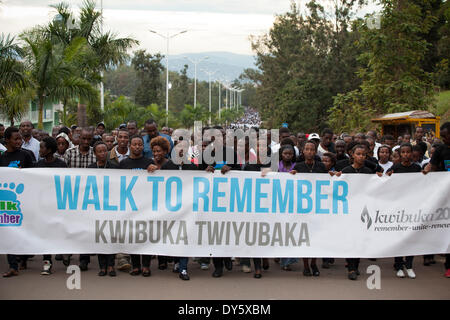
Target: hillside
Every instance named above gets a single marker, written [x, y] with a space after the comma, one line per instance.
[228, 66]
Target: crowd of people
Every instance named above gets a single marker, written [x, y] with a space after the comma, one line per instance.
[130, 147]
[250, 119]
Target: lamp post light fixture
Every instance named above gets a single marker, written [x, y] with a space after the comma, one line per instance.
[195, 62]
[210, 74]
[167, 37]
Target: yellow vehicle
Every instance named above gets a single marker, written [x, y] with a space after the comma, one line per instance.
[397, 124]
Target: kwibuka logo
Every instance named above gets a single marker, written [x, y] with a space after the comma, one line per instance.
[365, 217]
[10, 212]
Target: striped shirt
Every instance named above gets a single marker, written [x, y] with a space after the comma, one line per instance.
[75, 159]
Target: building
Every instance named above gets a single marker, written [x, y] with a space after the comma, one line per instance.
[397, 124]
[50, 115]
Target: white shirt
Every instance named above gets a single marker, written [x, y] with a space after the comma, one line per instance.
[321, 151]
[122, 156]
[386, 166]
[2, 148]
[33, 146]
[424, 162]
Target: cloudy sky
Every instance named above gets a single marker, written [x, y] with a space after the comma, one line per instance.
[212, 25]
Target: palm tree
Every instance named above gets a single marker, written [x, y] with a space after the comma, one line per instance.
[52, 68]
[106, 49]
[14, 103]
[190, 114]
[15, 87]
[12, 71]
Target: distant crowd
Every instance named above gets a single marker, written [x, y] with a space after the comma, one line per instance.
[250, 119]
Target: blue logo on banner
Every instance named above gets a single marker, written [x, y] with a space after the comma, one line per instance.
[10, 212]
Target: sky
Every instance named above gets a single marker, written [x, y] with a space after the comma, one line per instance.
[212, 25]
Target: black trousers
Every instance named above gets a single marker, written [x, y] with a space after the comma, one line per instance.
[85, 257]
[447, 261]
[47, 257]
[13, 260]
[400, 263]
[353, 264]
[219, 262]
[162, 260]
[106, 260]
[136, 260]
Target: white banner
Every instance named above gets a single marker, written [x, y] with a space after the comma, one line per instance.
[240, 214]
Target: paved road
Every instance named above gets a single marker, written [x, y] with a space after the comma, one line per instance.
[275, 283]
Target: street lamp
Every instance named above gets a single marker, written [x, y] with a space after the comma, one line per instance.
[227, 96]
[232, 98]
[220, 96]
[102, 97]
[168, 37]
[239, 97]
[209, 73]
[195, 62]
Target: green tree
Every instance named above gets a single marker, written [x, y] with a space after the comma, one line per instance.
[350, 113]
[190, 114]
[121, 81]
[12, 71]
[105, 49]
[15, 87]
[52, 71]
[179, 95]
[149, 69]
[394, 79]
[303, 62]
[118, 112]
[14, 103]
[443, 46]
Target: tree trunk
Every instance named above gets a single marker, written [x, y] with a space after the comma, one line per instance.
[41, 109]
[64, 116]
[81, 115]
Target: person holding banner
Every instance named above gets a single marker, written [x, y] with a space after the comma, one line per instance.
[81, 156]
[121, 151]
[116, 155]
[160, 147]
[358, 157]
[15, 157]
[329, 160]
[341, 164]
[258, 167]
[287, 164]
[384, 153]
[105, 261]
[224, 166]
[406, 165]
[47, 151]
[137, 161]
[310, 166]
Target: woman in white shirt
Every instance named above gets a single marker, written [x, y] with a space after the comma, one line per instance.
[384, 153]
